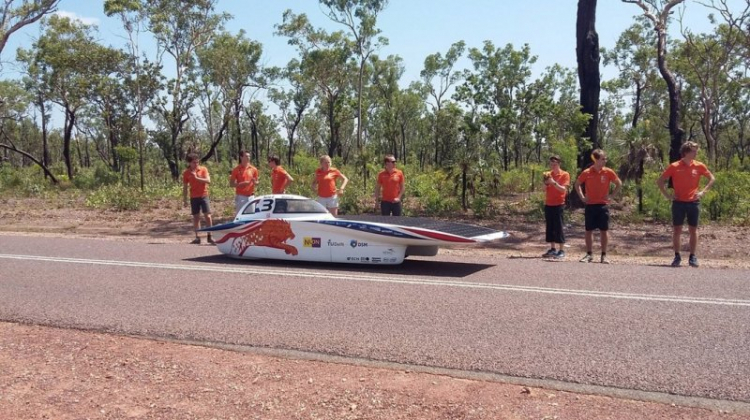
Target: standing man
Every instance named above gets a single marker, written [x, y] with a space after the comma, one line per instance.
[597, 179]
[325, 184]
[686, 174]
[391, 180]
[557, 182]
[244, 177]
[197, 178]
[279, 177]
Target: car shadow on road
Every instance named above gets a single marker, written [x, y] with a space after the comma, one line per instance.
[407, 268]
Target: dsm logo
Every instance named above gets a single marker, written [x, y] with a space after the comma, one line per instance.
[309, 242]
[355, 244]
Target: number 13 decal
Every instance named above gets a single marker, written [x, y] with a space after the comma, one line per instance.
[264, 205]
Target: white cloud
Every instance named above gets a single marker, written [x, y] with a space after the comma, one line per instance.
[82, 19]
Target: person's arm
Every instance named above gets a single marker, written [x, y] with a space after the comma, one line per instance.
[232, 180]
[184, 194]
[343, 184]
[711, 180]
[400, 189]
[579, 191]
[204, 179]
[376, 194]
[661, 182]
[618, 186]
[559, 187]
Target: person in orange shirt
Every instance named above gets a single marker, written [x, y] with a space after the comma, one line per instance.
[196, 177]
[597, 179]
[279, 177]
[391, 181]
[686, 174]
[557, 182]
[325, 184]
[244, 177]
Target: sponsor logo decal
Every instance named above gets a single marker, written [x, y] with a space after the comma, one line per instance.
[355, 244]
[309, 242]
[334, 243]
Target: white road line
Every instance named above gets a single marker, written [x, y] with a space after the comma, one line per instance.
[409, 280]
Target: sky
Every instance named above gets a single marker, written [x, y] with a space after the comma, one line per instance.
[415, 28]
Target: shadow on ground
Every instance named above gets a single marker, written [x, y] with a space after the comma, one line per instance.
[408, 268]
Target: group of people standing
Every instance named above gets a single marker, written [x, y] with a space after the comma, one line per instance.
[593, 187]
[244, 179]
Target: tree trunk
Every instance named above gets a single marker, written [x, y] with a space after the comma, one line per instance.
[45, 140]
[70, 119]
[587, 53]
[676, 133]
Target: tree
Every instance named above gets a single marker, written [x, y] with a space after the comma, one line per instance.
[347, 12]
[180, 27]
[587, 54]
[14, 16]
[325, 59]
[437, 66]
[658, 12]
[72, 62]
[292, 102]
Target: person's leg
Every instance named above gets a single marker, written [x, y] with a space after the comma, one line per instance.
[333, 210]
[396, 209]
[589, 241]
[385, 209]
[549, 226]
[604, 237]
[676, 233]
[693, 231]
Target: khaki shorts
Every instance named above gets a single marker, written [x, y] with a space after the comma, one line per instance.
[329, 202]
[241, 200]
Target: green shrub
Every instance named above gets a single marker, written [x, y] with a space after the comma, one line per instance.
[116, 197]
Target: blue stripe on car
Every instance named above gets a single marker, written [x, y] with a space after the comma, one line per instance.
[364, 227]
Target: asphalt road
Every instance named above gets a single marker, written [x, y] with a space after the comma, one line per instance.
[647, 328]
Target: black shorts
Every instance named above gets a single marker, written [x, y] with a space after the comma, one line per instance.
[597, 217]
[200, 204]
[682, 209]
[388, 208]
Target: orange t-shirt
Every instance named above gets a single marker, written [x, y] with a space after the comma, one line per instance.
[686, 179]
[391, 183]
[197, 189]
[240, 174]
[555, 197]
[597, 184]
[278, 179]
[327, 182]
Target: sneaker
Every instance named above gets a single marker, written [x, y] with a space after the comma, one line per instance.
[586, 258]
[604, 259]
[550, 253]
[560, 255]
[693, 261]
[210, 240]
[196, 241]
[677, 261]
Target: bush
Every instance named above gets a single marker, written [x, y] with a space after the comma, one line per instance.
[116, 197]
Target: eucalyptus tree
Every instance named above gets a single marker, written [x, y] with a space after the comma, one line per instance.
[231, 64]
[410, 110]
[14, 103]
[438, 77]
[587, 55]
[499, 83]
[15, 14]
[180, 28]
[385, 90]
[141, 79]
[658, 12]
[293, 101]
[72, 63]
[325, 58]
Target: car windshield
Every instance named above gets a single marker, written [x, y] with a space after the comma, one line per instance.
[298, 206]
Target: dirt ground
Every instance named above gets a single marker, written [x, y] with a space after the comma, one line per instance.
[51, 373]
